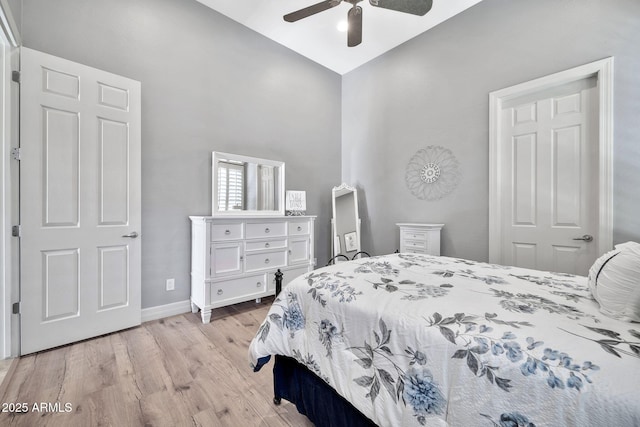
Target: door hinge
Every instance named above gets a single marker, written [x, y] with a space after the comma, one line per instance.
[15, 76]
[15, 154]
[16, 231]
[16, 308]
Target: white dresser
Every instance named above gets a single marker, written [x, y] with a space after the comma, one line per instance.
[235, 259]
[420, 238]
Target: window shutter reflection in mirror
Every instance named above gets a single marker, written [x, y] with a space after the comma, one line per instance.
[230, 186]
[246, 186]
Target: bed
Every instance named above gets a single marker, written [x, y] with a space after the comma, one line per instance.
[417, 340]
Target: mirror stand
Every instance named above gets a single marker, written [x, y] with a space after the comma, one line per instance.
[345, 224]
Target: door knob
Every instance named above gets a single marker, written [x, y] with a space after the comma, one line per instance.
[586, 238]
[132, 235]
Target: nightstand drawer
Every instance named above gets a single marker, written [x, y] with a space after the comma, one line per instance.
[250, 246]
[267, 229]
[265, 260]
[414, 235]
[237, 288]
[226, 232]
[415, 244]
[415, 251]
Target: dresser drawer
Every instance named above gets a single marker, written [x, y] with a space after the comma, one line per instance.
[265, 244]
[297, 228]
[237, 288]
[226, 231]
[265, 260]
[268, 229]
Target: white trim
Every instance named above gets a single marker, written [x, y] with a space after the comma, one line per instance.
[167, 310]
[8, 24]
[9, 290]
[603, 70]
[5, 290]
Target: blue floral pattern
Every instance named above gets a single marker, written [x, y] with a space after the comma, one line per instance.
[414, 387]
[402, 335]
[510, 419]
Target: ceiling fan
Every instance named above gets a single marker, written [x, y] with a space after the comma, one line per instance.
[354, 17]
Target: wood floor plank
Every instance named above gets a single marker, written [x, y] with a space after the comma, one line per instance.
[171, 372]
[147, 360]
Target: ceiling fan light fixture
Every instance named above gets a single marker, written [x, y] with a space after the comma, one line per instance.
[354, 16]
[342, 26]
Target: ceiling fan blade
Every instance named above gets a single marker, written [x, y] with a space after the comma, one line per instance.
[414, 7]
[311, 10]
[354, 34]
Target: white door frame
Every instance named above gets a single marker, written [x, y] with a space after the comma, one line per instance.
[9, 42]
[603, 71]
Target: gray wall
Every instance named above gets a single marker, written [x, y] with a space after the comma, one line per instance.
[433, 90]
[211, 84]
[208, 84]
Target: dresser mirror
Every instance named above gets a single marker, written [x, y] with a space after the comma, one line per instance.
[345, 224]
[246, 186]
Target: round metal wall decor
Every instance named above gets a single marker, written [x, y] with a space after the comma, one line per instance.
[432, 173]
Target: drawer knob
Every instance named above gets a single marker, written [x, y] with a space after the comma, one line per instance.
[258, 285]
[266, 245]
[266, 230]
[289, 251]
[227, 232]
[220, 291]
[242, 258]
[266, 261]
[299, 228]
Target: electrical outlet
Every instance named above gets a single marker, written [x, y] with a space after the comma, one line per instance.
[171, 284]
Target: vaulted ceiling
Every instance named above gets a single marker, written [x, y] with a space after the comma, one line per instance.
[318, 38]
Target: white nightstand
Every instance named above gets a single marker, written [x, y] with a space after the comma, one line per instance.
[420, 238]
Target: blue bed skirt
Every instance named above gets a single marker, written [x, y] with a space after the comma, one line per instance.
[313, 397]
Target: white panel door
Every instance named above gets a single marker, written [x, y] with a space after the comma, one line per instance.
[80, 202]
[550, 200]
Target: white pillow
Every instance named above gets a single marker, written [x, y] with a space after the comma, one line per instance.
[614, 281]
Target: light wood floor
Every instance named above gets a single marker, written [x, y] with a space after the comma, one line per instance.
[170, 372]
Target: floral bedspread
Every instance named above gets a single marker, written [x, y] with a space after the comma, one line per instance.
[415, 340]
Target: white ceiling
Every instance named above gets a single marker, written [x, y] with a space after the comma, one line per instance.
[317, 36]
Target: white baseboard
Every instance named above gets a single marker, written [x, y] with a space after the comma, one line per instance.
[167, 310]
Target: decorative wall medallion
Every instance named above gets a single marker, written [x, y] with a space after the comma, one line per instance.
[432, 173]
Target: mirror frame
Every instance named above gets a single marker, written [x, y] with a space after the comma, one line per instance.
[217, 156]
[335, 239]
